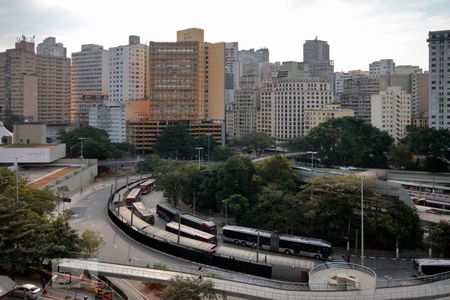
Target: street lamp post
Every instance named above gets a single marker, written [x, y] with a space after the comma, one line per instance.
[17, 177]
[312, 158]
[209, 138]
[194, 202]
[199, 149]
[46, 286]
[81, 151]
[362, 221]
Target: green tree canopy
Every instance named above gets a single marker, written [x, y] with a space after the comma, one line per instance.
[237, 205]
[96, 144]
[278, 170]
[434, 144]
[175, 142]
[441, 238]
[346, 141]
[257, 141]
[90, 242]
[400, 157]
[182, 288]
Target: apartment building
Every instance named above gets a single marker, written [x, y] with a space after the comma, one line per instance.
[315, 116]
[382, 66]
[357, 95]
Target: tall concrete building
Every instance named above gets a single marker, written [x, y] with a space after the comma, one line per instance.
[18, 81]
[246, 105]
[316, 54]
[357, 95]
[111, 118]
[49, 47]
[439, 83]
[90, 75]
[186, 83]
[251, 61]
[340, 77]
[315, 116]
[284, 100]
[127, 71]
[231, 71]
[391, 112]
[382, 66]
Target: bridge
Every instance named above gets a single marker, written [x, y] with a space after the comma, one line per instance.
[437, 287]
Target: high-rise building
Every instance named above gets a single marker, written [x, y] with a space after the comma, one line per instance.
[231, 71]
[246, 105]
[127, 71]
[391, 112]
[53, 73]
[316, 54]
[382, 66]
[357, 94]
[340, 77]
[439, 83]
[111, 118]
[186, 83]
[49, 47]
[251, 61]
[90, 75]
[284, 100]
[315, 116]
[18, 81]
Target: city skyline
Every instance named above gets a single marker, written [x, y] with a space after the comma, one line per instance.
[357, 32]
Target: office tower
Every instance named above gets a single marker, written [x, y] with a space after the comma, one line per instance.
[251, 61]
[382, 66]
[315, 116]
[127, 71]
[357, 93]
[284, 100]
[18, 81]
[439, 83]
[186, 83]
[340, 77]
[109, 116]
[53, 73]
[391, 112]
[90, 76]
[49, 47]
[316, 54]
[231, 71]
[246, 104]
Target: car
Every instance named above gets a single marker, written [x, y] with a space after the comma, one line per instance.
[344, 168]
[26, 291]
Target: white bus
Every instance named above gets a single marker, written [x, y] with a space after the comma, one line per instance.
[190, 232]
[146, 214]
[430, 266]
[288, 244]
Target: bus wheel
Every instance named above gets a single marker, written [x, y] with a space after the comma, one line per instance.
[317, 256]
[287, 252]
[244, 244]
[236, 242]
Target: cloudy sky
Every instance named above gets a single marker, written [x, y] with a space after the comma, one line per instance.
[358, 31]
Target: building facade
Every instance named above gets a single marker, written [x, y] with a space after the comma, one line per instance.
[340, 77]
[109, 116]
[90, 75]
[357, 95]
[439, 79]
[382, 66]
[315, 116]
[316, 54]
[49, 47]
[246, 105]
[231, 71]
[391, 112]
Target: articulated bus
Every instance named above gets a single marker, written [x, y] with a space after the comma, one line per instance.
[190, 232]
[284, 243]
[133, 196]
[430, 266]
[147, 186]
[146, 214]
[171, 214]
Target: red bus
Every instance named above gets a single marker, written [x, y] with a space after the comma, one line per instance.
[133, 196]
[147, 186]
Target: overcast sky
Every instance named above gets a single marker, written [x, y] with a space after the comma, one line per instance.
[358, 31]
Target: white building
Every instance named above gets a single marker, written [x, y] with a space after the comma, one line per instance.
[246, 104]
[231, 71]
[110, 117]
[382, 66]
[49, 47]
[90, 75]
[439, 79]
[127, 71]
[282, 103]
[391, 112]
[316, 116]
[341, 77]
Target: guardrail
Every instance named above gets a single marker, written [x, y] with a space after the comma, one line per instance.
[412, 280]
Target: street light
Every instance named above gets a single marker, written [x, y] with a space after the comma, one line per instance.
[46, 286]
[312, 158]
[362, 221]
[199, 149]
[16, 165]
[209, 137]
[81, 152]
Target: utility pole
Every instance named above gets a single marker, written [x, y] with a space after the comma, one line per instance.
[17, 177]
[362, 221]
[199, 149]
[81, 151]
[179, 228]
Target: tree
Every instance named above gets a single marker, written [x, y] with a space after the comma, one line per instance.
[175, 142]
[237, 205]
[90, 242]
[151, 163]
[208, 144]
[441, 238]
[434, 144]
[400, 157]
[181, 288]
[222, 153]
[346, 141]
[258, 141]
[278, 170]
